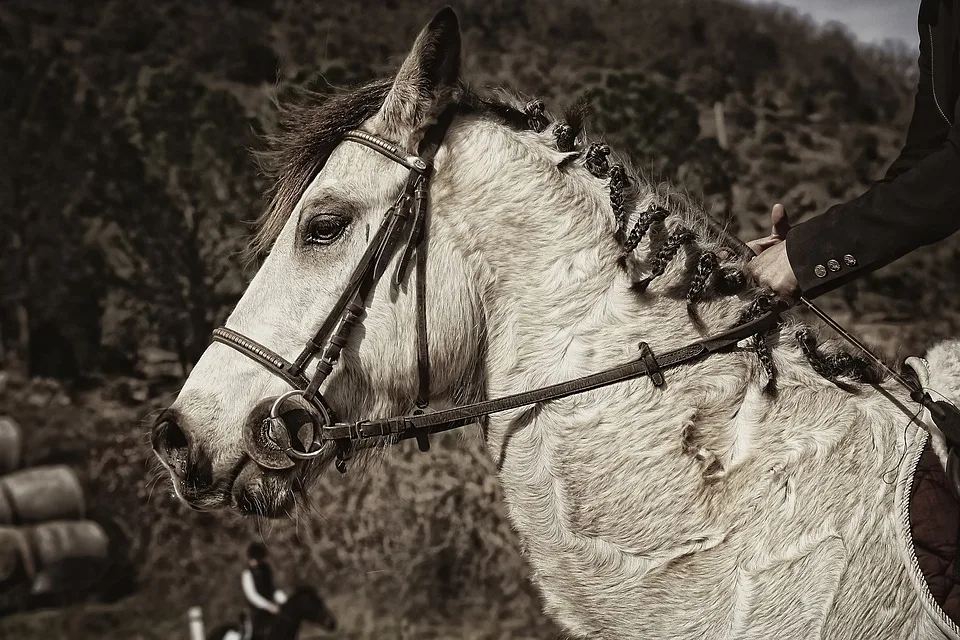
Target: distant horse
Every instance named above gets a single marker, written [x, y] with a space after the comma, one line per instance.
[742, 496]
[304, 604]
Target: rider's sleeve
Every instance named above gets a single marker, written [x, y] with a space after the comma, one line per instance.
[253, 596]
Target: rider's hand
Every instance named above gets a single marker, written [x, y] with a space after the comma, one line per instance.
[275, 609]
[779, 225]
[771, 267]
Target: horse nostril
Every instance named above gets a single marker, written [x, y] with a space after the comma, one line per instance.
[171, 444]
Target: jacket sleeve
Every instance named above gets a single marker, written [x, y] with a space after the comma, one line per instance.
[915, 204]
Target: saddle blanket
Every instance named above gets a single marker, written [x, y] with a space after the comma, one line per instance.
[933, 526]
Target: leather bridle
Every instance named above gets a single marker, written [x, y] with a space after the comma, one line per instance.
[409, 214]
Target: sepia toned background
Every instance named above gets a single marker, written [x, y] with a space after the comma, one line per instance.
[126, 191]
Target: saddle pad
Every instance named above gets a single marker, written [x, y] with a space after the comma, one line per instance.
[934, 524]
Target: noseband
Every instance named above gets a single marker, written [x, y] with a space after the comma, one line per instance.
[409, 214]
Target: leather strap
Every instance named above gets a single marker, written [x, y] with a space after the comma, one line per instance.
[400, 428]
[259, 353]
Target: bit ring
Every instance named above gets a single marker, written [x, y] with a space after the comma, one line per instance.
[320, 410]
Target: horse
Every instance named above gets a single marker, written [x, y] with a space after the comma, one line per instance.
[303, 604]
[742, 494]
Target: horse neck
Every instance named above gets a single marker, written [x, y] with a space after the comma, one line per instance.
[568, 307]
[603, 471]
[287, 625]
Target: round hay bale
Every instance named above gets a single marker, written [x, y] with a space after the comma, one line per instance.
[40, 494]
[11, 445]
[68, 554]
[16, 559]
[6, 509]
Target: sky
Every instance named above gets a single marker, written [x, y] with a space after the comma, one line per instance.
[871, 20]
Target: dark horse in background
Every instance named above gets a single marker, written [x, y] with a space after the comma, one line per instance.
[305, 604]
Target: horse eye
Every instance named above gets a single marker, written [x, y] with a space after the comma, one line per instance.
[325, 229]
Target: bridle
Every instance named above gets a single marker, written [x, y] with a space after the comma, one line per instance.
[409, 214]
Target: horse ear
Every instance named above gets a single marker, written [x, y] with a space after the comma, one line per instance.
[428, 76]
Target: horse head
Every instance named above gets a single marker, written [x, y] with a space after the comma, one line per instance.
[329, 201]
[495, 186]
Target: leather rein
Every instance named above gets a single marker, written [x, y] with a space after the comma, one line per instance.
[409, 215]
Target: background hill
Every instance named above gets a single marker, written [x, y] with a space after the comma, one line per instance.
[126, 185]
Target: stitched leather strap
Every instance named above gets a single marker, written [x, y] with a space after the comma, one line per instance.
[400, 428]
[259, 353]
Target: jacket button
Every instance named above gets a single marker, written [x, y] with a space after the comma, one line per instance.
[833, 265]
[849, 260]
[820, 271]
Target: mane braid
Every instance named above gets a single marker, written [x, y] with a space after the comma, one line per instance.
[670, 248]
[761, 305]
[640, 229]
[596, 159]
[765, 356]
[536, 118]
[617, 198]
[707, 265]
[575, 117]
[566, 137]
[833, 366]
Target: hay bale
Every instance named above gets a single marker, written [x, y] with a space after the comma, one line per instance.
[68, 555]
[11, 445]
[46, 562]
[15, 557]
[40, 494]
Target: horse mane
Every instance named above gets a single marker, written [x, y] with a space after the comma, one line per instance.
[312, 125]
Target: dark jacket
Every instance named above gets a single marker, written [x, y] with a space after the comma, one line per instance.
[918, 200]
[263, 580]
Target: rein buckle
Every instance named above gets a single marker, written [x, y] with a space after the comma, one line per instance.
[653, 367]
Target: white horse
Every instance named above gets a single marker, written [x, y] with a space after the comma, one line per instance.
[716, 506]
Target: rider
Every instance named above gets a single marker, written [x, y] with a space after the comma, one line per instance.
[915, 204]
[258, 587]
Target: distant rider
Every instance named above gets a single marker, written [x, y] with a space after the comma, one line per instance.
[259, 589]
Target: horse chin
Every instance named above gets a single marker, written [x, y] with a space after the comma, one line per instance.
[263, 492]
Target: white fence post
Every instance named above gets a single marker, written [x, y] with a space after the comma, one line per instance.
[721, 124]
[195, 614]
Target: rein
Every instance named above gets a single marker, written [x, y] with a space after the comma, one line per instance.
[409, 214]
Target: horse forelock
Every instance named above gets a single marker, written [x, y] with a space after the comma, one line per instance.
[311, 126]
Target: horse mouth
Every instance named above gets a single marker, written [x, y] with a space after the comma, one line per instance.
[271, 493]
[257, 491]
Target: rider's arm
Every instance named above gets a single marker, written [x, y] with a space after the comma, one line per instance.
[915, 204]
[253, 596]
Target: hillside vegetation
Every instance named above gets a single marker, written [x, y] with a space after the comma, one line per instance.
[126, 185]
